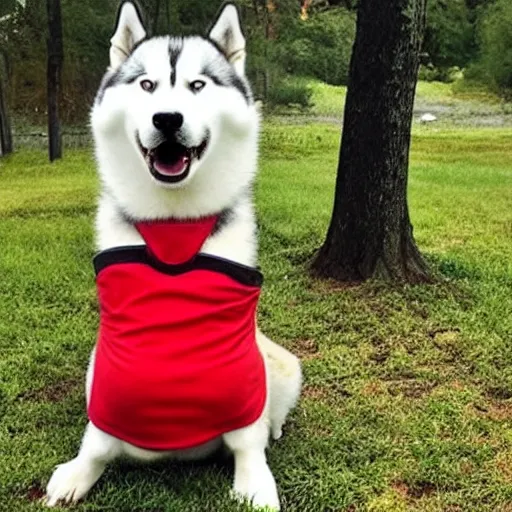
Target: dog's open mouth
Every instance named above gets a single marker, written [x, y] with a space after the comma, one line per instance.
[170, 161]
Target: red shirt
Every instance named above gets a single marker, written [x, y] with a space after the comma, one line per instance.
[176, 362]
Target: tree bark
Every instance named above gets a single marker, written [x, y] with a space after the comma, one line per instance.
[370, 234]
[270, 35]
[55, 59]
[5, 124]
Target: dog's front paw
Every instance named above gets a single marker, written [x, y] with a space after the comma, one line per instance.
[71, 481]
[277, 432]
[258, 488]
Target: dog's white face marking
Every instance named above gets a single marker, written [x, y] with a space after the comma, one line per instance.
[174, 122]
[181, 104]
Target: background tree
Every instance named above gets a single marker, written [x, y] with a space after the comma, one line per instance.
[370, 234]
[496, 45]
[55, 58]
[6, 12]
[449, 33]
[5, 124]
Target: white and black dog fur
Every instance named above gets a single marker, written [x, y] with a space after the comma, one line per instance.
[196, 86]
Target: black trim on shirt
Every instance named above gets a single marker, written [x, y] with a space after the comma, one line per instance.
[249, 276]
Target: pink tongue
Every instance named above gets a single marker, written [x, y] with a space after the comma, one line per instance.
[173, 169]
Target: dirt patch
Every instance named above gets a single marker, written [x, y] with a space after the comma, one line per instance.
[373, 388]
[422, 489]
[499, 393]
[500, 412]
[504, 464]
[306, 349]
[331, 393]
[410, 388]
[35, 492]
[456, 385]
[53, 392]
[401, 488]
[316, 392]
[496, 411]
[414, 492]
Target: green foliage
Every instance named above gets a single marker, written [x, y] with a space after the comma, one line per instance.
[328, 100]
[85, 56]
[439, 74]
[88, 26]
[406, 402]
[320, 46]
[290, 92]
[496, 44]
[470, 33]
[279, 44]
[7, 7]
[449, 37]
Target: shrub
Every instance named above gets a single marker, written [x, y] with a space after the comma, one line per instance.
[449, 37]
[290, 92]
[496, 44]
[433, 74]
[319, 47]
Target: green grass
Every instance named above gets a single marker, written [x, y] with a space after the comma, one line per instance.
[328, 100]
[407, 403]
[448, 93]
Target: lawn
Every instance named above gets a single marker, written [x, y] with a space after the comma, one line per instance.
[407, 402]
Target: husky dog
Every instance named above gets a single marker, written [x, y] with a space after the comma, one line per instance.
[176, 135]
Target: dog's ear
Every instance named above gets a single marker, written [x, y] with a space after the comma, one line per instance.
[129, 31]
[226, 32]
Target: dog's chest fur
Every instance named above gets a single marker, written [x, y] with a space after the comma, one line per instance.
[235, 240]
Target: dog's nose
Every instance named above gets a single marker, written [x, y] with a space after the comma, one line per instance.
[168, 121]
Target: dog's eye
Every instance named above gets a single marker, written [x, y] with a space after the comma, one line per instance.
[148, 85]
[197, 85]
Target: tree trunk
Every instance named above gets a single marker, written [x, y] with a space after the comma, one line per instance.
[5, 124]
[55, 58]
[370, 234]
[269, 36]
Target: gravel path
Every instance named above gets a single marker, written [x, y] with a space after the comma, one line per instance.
[454, 112]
